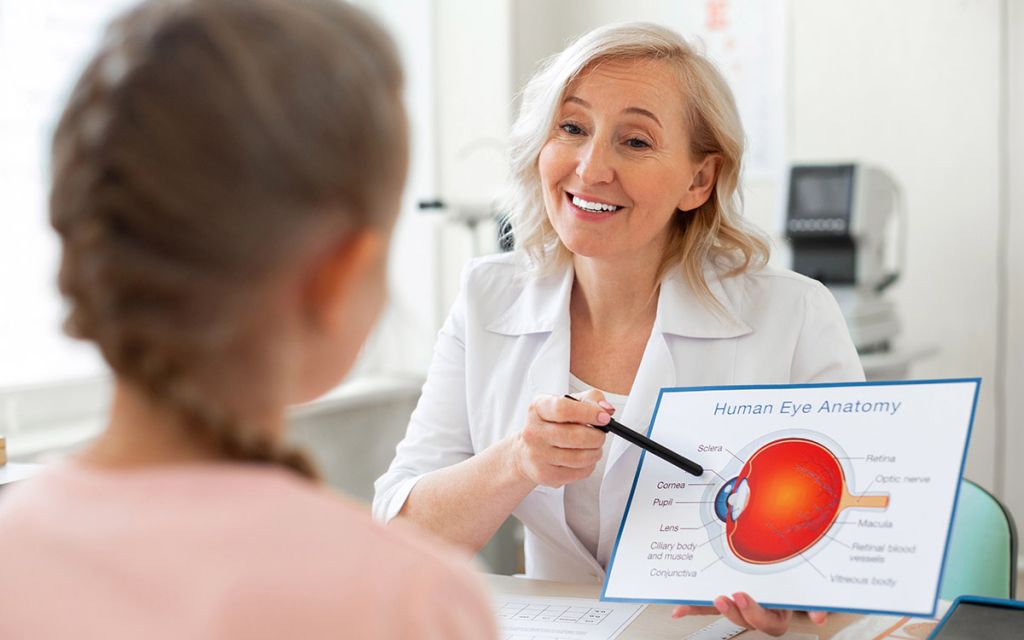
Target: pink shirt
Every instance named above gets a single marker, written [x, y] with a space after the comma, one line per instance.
[211, 550]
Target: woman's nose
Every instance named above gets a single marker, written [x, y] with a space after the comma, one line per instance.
[593, 166]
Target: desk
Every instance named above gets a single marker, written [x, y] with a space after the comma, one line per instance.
[655, 623]
[14, 471]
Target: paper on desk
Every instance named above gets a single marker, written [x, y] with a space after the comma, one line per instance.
[723, 629]
[540, 618]
[15, 471]
[893, 627]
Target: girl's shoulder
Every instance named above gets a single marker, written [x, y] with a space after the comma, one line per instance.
[266, 545]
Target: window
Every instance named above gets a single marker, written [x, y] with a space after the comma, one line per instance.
[43, 46]
[54, 390]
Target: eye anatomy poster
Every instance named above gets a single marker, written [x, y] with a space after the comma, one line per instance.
[830, 496]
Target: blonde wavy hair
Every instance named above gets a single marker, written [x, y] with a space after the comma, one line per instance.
[714, 233]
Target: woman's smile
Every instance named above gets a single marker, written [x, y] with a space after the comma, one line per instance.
[591, 209]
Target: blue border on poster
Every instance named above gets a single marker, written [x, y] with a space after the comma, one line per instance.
[819, 385]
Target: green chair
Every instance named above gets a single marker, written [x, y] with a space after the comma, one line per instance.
[982, 557]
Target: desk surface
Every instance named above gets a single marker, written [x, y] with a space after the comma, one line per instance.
[15, 471]
[656, 621]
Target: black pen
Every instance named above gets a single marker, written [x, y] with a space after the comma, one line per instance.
[645, 443]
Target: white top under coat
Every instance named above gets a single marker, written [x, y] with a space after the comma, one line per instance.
[582, 498]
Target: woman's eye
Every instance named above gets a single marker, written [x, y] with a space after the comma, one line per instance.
[571, 129]
[637, 143]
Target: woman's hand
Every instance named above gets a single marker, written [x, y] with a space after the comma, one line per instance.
[745, 612]
[556, 446]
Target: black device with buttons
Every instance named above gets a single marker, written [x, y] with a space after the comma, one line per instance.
[819, 222]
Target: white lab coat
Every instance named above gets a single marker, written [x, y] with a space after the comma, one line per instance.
[507, 340]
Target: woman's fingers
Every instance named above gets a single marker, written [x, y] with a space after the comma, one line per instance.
[573, 458]
[544, 435]
[569, 436]
[596, 397]
[692, 610]
[552, 476]
[563, 410]
[744, 611]
[564, 423]
[557, 445]
[728, 608]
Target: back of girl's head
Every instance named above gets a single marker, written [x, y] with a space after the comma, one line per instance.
[206, 144]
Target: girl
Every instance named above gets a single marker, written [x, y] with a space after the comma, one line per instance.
[225, 179]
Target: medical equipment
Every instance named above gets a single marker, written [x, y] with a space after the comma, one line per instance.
[838, 225]
[470, 215]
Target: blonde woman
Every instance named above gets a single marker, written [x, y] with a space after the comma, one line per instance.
[226, 176]
[634, 271]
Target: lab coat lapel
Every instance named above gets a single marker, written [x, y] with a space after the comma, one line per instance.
[656, 370]
[541, 313]
[549, 371]
[549, 374]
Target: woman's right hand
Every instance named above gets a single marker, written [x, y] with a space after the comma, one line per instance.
[556, 445]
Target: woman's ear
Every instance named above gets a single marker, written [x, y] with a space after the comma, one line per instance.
[335, 279]
[702, 183]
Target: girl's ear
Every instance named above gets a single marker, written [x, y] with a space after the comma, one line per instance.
[334, 279]
[702, 183]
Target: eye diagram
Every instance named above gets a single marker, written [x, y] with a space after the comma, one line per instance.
[784, 500]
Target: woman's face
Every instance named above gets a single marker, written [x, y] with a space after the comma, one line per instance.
[617, 166]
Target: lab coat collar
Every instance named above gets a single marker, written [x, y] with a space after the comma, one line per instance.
[682, 312]
[544, 302]
[540, 307]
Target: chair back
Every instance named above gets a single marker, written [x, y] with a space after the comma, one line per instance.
[982, 556]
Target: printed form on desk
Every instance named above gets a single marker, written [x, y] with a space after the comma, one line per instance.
[722, 629]
[541, 618]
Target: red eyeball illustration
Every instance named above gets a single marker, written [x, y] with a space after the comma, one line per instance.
[785, 498]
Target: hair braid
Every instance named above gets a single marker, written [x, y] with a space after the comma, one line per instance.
[213, 424]
[203, 144]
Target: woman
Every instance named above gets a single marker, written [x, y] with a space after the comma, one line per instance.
[634, 272]
[225, 179]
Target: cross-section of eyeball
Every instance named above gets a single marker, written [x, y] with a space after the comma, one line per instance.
[785, 498]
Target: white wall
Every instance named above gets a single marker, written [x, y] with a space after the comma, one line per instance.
[403, 339]
[474, 98]
[43, 47]
[1014, 414]
[913, 86]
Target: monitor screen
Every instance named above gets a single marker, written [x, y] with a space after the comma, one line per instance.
[821, 192]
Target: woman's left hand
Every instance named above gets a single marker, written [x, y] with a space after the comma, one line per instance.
[742, 610]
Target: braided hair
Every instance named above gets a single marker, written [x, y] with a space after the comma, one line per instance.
[201, 149]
